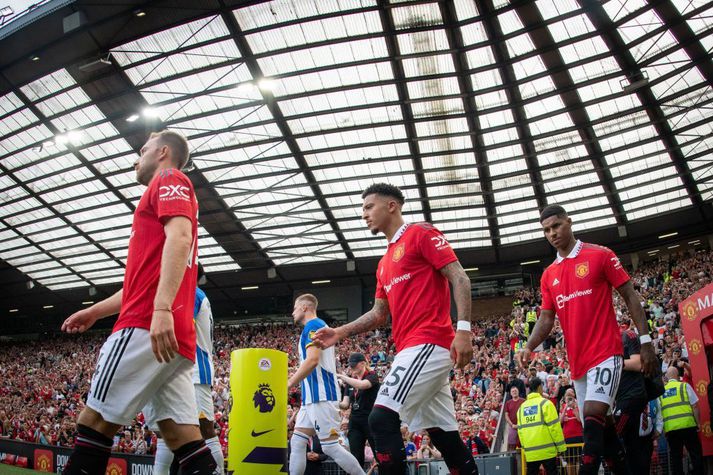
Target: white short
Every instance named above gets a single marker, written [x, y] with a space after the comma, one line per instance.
[417, 388]
[321, 416]
[600, 383]
[204, 401]
[128, 379]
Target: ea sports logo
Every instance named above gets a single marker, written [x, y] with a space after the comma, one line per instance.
[695, 346]
[264, 364]
[690, 311]
[582, 270]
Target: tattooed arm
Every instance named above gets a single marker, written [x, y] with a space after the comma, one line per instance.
[461, 288]
[374, 318]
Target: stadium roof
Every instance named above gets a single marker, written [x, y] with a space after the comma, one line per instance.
[481, 111]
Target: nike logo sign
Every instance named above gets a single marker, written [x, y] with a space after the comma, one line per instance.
[258, 434]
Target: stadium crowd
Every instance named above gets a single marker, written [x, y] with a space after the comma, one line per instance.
[45, 382]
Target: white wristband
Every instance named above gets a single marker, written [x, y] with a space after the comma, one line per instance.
[463, 325]
[644, 339]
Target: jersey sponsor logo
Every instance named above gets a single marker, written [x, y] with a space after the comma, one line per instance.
[440, 242]
[397, 280]
[563, 299]
[555, 282]
[173, 192]
[258, 434]
[398, 253]
[582, 270]
[264, 399]
[600, 390]
[530, 411]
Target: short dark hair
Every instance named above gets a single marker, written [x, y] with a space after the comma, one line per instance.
[552, 210]
[534, 384]
[384, 189]
[178, 145]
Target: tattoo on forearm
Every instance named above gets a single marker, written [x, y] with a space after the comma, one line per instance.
[461, 288]
[372, 319]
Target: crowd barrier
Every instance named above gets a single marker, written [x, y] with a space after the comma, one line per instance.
[51, 459]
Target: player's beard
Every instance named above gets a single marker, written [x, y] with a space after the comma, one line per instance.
[374, 231]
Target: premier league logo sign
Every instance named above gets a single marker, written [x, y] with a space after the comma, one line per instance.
[264, 399]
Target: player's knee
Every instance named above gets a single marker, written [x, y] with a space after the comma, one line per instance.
[383, 421]
[92, 419]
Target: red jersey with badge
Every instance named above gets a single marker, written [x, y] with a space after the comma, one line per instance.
[170, 193]
[409, 277]
[579, 290]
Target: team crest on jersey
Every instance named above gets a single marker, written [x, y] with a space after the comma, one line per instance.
[311, 335]
[582, 270]
[398, 253]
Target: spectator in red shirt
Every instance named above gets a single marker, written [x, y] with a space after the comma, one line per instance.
[511, 407]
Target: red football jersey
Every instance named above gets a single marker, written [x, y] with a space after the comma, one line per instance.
[578, 289]
[409, 277]
[169, 194]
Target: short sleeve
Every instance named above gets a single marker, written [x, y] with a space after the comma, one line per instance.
[547, 303]
[632, 346]
[614, 271]
[380, 292]
[309, 331]
[373, 378]
[173, 195]
[434, 247]
[692, 396]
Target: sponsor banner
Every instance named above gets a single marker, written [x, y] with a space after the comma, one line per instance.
[696, 313]
[257, 436]
[51, 459]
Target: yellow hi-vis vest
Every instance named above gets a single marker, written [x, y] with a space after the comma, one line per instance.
[539, 429]
[531, 316]
[676, 409]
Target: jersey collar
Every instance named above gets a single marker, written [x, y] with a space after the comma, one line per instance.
[399, 233]
[572, 254]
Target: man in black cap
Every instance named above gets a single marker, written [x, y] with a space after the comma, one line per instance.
[364, 389]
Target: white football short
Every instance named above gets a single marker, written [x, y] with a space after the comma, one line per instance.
[417, 387]
[129, 379]
[601, 383]
[204, 401]
[322, 417]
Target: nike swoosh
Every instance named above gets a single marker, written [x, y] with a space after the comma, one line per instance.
[258, 434]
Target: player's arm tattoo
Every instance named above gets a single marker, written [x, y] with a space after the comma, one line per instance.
[633, 303]
[374, 318]
[542, 329]
[461, 288]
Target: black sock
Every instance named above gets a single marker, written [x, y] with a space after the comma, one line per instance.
[458, 458]
[195, 458]
[91, 452]
[385, 427]
[613, 450]
[593, 444]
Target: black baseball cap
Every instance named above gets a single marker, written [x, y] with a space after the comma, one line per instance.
[356, 358]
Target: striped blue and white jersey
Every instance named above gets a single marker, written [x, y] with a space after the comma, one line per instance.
[321, 384]
[203, 320]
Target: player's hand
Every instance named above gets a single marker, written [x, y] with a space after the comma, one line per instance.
[163, 338]
[649, 362]
[79, 321]
[326, 337]
[462, 348]
[523, 357]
